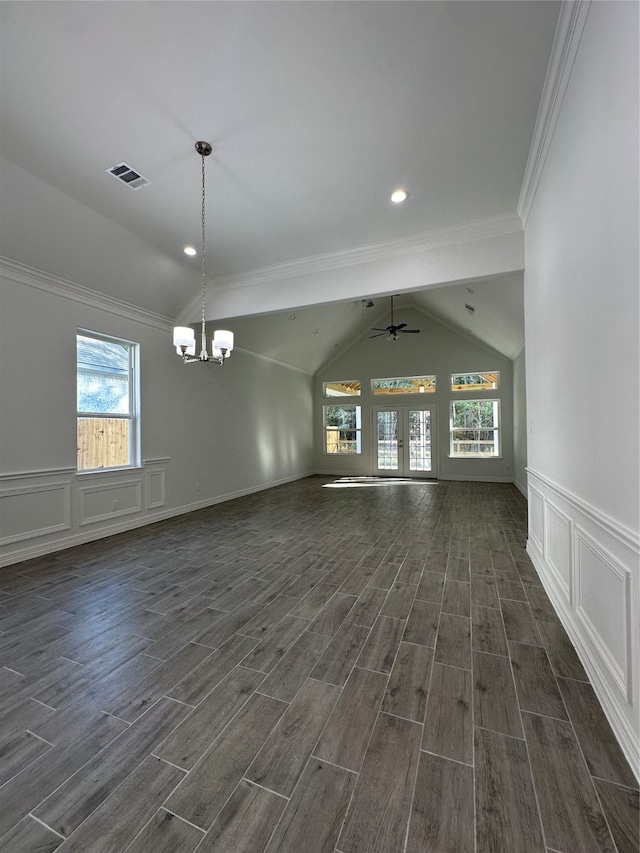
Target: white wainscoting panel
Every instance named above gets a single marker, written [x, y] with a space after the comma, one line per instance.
[589, 565]
[156, 488]
[109, 500]
[28, 511]
[557, 539]
[602, 605]
[536, 517]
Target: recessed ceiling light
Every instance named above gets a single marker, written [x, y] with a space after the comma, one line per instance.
[398, 196]
[315, 332]
[292, 316]
[470, 290]
[189, 250]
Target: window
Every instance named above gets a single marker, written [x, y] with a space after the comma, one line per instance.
[341, 389]
[404, 385]
[342, 429]
[474, 428]
[107, 394]
[475, 381]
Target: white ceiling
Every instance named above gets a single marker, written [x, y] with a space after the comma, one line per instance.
[316, 111]
[309, 337]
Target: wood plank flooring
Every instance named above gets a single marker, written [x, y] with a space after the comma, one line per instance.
[312, 669]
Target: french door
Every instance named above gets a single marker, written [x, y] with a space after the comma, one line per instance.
[404, 441]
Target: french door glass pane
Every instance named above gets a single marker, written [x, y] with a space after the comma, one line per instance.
[420, 440]
[388, 441]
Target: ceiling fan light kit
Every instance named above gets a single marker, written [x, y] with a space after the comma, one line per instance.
[392, 331]
[184, 337]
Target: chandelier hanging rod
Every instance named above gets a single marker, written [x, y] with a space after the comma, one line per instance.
[184, 338]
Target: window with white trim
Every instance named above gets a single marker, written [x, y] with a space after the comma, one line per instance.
[475, 381]
[345, 388]
[474, 428]
[107, 402]
[343, 429]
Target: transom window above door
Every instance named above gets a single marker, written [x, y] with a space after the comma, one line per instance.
[404, 385]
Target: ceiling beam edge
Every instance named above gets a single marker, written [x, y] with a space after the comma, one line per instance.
[403, 272]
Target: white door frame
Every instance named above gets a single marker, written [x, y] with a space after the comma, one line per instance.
[403, 468]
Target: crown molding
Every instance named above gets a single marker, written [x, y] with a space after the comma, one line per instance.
[274, 361]
[517, 350]
[573, 16]
[23, 274]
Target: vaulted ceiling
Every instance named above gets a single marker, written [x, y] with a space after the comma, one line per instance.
[316, 112]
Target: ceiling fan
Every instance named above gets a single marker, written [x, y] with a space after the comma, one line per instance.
[393, 332]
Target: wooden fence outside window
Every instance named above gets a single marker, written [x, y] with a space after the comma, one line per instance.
[102, 443]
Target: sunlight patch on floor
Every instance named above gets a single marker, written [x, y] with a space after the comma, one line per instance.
[365, 482]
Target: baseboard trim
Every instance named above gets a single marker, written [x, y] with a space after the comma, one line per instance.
[521, 488]
[467, 478]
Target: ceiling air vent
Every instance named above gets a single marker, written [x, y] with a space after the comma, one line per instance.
[123, 172]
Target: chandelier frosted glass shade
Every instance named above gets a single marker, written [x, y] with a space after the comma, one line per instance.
[223, 340]
[184, 336]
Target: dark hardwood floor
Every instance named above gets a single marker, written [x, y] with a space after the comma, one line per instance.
[363, 667]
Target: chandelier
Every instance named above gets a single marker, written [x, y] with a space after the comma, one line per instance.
[184, 337]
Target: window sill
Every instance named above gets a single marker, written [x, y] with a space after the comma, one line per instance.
[94, 471]
[474, 457]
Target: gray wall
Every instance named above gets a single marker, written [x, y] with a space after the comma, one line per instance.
[520, 422]
[436, 350]
[208, 433]
[581, 315]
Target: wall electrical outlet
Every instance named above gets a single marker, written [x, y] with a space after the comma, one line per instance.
[116, 504]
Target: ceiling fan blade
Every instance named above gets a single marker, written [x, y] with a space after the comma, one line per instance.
[392, 331]
[410, 331]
